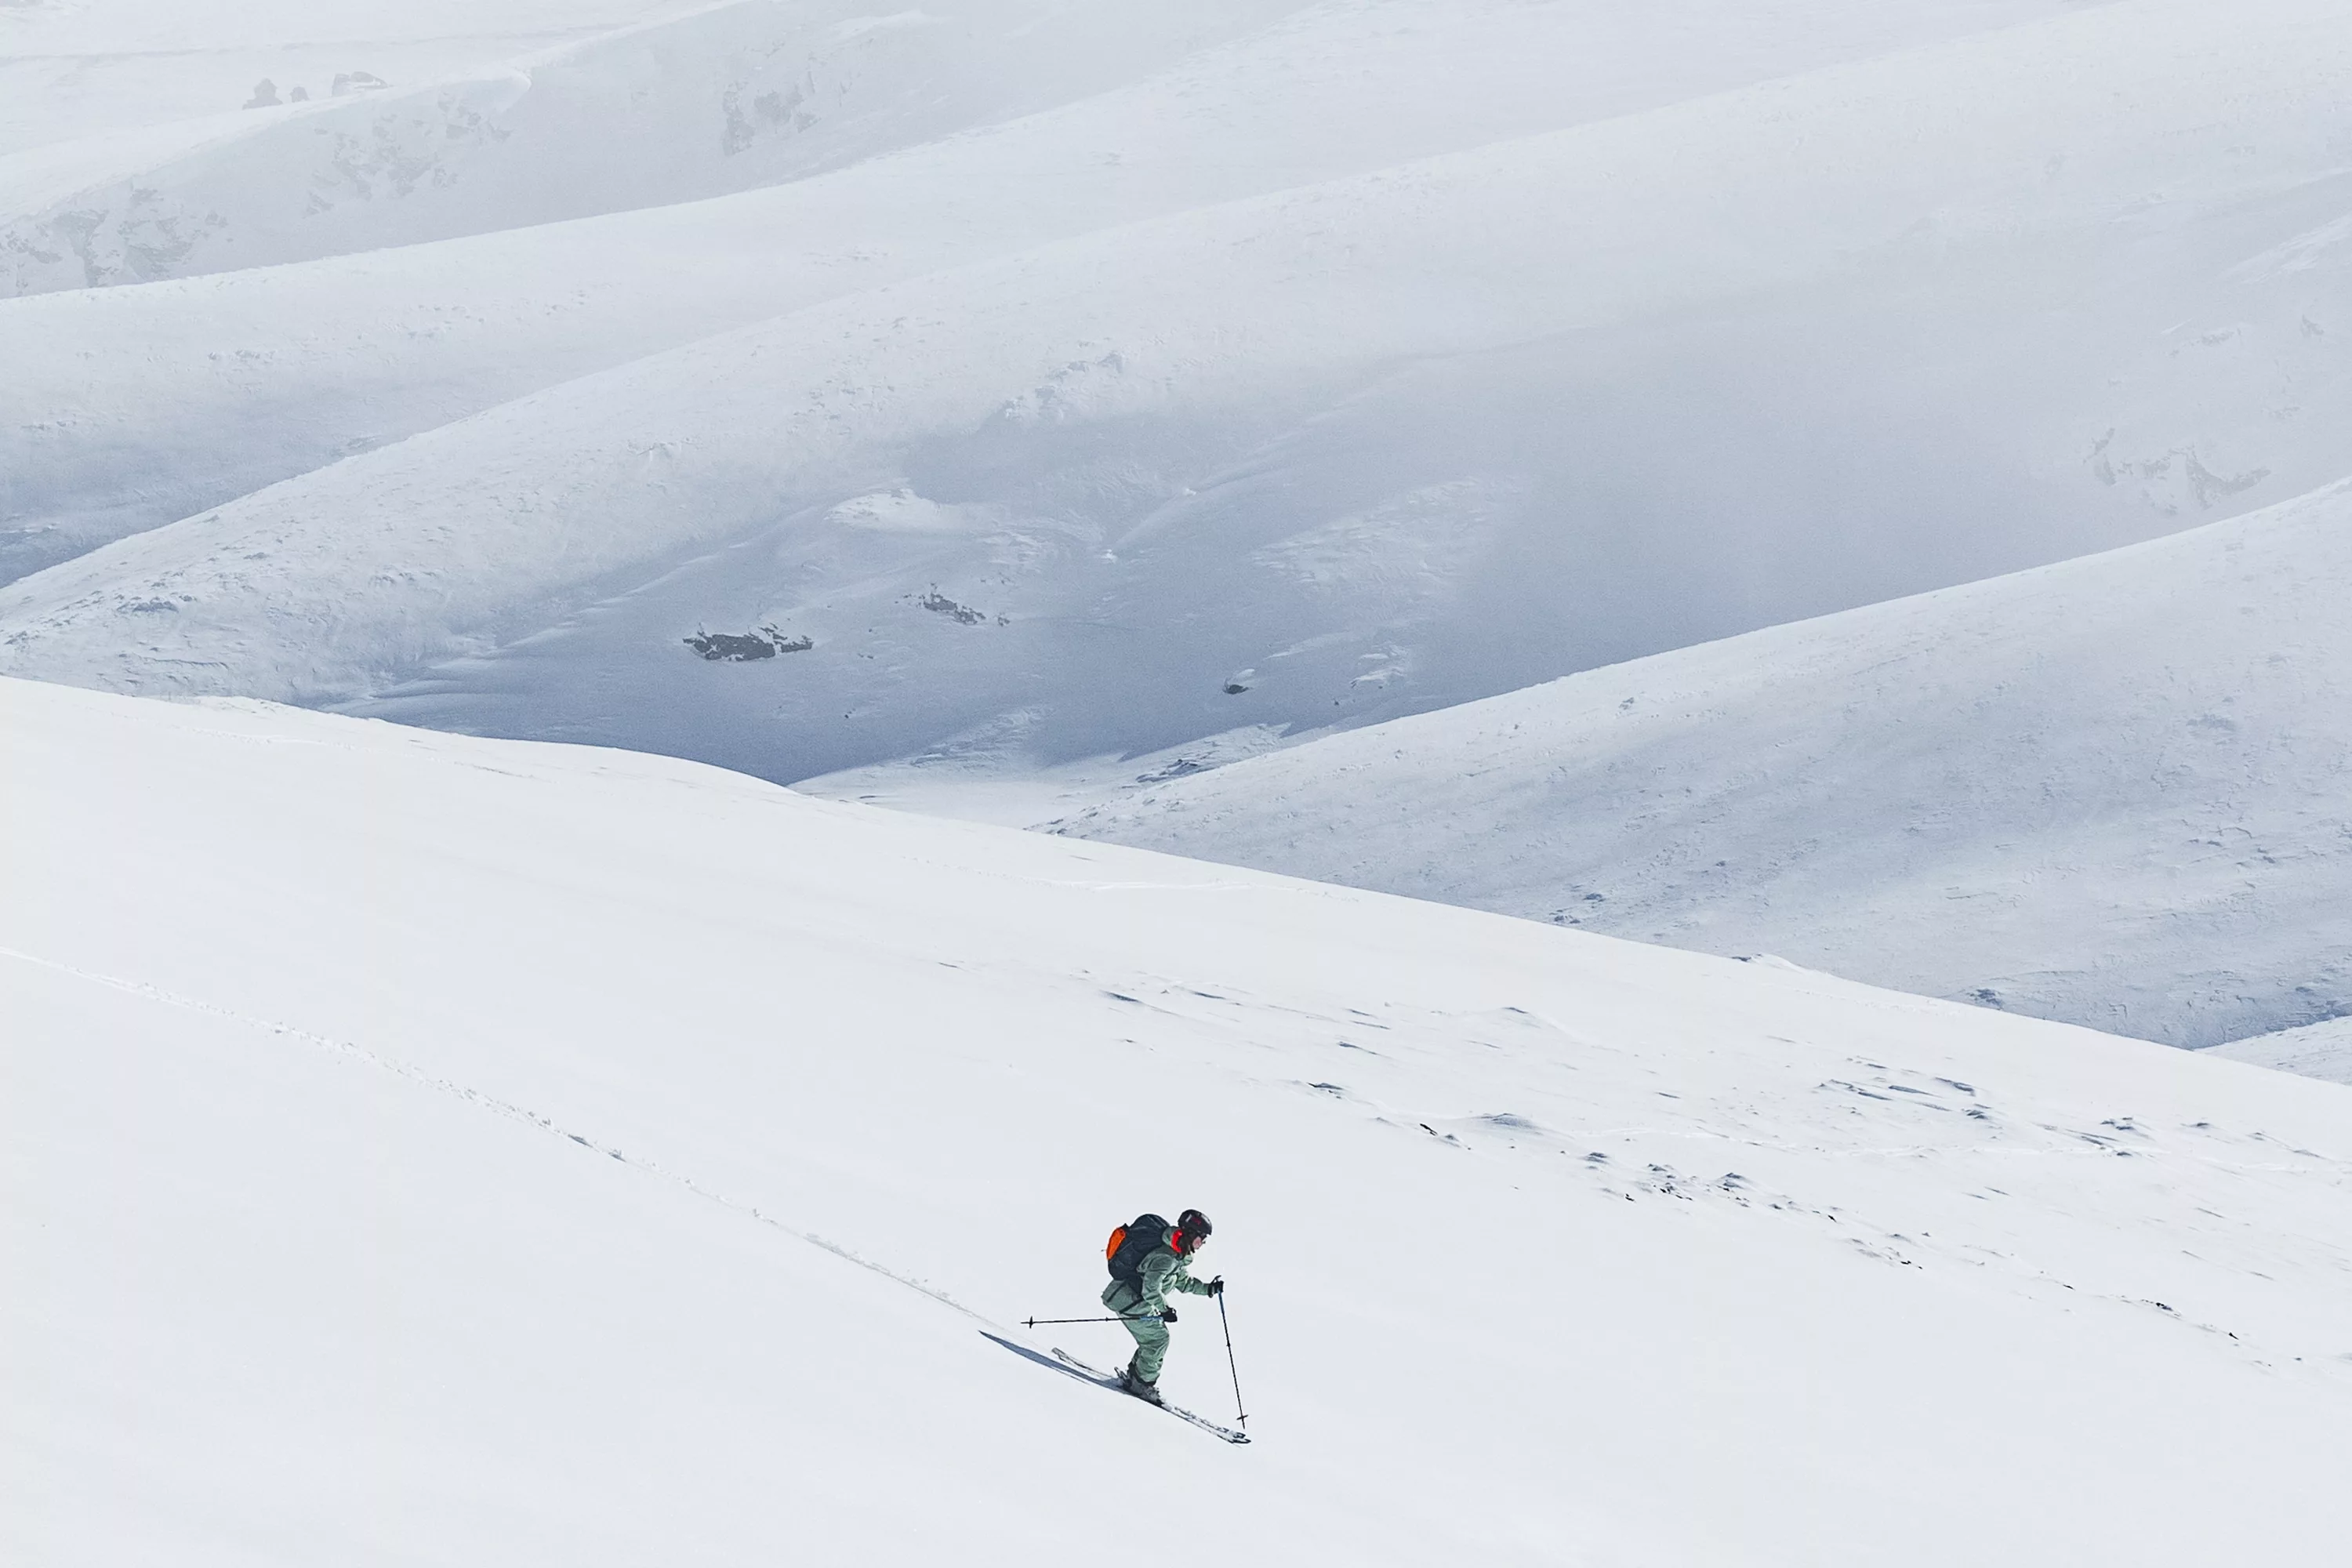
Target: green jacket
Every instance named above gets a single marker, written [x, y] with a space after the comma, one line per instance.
[1161, 1273]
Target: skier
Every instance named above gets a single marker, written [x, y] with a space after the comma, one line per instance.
[1148, 1260]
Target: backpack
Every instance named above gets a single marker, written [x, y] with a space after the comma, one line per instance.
[1130, 1243]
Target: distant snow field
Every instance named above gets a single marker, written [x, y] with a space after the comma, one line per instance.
[1003, 406]
[1723, 505]
[427, 1150]
[2321, 1050]
[1247, 365]
[2116, 791]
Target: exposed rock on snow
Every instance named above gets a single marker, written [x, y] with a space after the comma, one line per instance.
[2115, 791]
[1214, 351]
[1103, 392]
[736, 646]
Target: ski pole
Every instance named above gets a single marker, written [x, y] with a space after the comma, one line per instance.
[1116, 1318]
[1239, 1414]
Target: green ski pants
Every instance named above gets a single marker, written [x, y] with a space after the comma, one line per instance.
[1150, 1333]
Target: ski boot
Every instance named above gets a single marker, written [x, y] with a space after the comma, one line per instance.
[1130, 1384]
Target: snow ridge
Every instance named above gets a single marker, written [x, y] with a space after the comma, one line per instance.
[2321, 1050]
[2110, 790]
[1229, 456]
[956, 1050]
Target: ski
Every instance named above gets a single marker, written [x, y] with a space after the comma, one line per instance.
[1110, 1380]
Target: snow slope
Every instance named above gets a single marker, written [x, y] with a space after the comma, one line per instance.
[695, 99]
[425, 1149]
[84, 70]
[135, 406]
[687, 100]
[1439, 396]
[2321, 1050]
[2115, 791]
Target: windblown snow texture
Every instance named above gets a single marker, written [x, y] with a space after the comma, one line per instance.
[2321, 1050]
[426, 1149]
[1064, 388]
[1240, 367]
[430, 1150]
[2112, 791]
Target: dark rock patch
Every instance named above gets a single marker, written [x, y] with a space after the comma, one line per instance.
[765, 643]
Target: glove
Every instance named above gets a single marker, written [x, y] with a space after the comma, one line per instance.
[1217, 1286]
[1169, 1316]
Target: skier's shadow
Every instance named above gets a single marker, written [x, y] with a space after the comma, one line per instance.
[1051, 1364]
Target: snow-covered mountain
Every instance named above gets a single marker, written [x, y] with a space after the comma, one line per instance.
[426, 1149]
[679, 100]
[430, 1150]
[1082, 381]
[2112, 791]
[2315, 1050]
[334, 359]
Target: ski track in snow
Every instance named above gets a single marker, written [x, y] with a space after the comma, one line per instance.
[1212, 425]
[1080, 399]
[1800, 1240]
[496, 1107]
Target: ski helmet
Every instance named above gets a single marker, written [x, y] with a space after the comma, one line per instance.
[1192, 1228]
